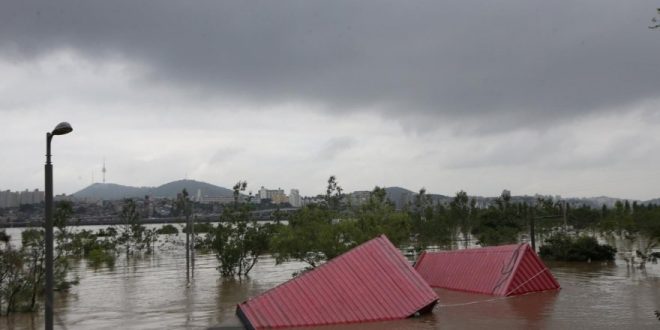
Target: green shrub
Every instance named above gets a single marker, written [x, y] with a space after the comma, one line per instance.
[562, 247]
[200, 228]
[167, 230]
[98, 256]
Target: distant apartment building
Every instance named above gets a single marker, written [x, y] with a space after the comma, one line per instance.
[294, 198]
[17, 198]
[207, 199]
[276, 196]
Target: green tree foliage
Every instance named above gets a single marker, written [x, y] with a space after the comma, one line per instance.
[317, 233]
[200, 228]
[168, 230]
[644, 222]
[132, 233]
[502, 222]
[14, 279]
[239, 241]
[562, 247]
[182, 205]
[378, 216]
[22, 271]
[584, 217]
[431, 224]
[334, 194]
[462, 211]
[313, 236]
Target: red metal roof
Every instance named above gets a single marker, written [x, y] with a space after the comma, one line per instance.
[372, 282]
[499, 270]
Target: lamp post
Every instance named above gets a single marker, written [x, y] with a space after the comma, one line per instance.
[61, 129]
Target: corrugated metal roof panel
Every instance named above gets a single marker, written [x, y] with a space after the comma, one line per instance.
[372, 282]
[499, 270]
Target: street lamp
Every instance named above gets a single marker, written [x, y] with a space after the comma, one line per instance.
[61, 129]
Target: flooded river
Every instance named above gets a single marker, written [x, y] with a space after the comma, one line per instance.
[151, 293]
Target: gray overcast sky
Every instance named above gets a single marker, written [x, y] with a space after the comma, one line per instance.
[552, 97]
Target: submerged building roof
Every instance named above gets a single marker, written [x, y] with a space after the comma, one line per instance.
[372, 282]
[499, 270]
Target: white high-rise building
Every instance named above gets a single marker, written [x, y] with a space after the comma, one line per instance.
[294, 198]
[276, 196]
[16, 198]
[263, 193]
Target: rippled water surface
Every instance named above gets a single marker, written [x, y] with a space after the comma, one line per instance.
[151, 293]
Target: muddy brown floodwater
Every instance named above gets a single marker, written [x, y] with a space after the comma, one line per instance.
[151, 293]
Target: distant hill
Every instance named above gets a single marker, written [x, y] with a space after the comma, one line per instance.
[655, 201]
[171, 189]
[111, 191]
[399, 196]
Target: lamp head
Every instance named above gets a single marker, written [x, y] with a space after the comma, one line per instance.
[62, 128]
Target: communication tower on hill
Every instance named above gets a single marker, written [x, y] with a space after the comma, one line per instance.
[103, 170]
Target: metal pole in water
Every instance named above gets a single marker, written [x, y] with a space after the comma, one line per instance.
[565, 219]
[61, 129]
[187, 247]
[48, 312]
[532, 234]
[192, 243]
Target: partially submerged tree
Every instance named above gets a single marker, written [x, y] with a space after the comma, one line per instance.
[460, 210]
[313, 236]
[239, 240]
[317, 233]
[430, 223]
[22, 272]
[502, 222]
[379, 216]
[132, 233]
[562, 247]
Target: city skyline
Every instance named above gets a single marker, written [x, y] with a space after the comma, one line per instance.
[525, 96]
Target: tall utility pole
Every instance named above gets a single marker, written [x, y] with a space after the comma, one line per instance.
[103, 170]
[48, 312]
[192, 242]
[185, 209]
[61, 129]
[532, 232]
[565, 219]
[183, 206]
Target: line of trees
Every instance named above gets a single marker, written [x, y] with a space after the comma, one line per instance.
[319, 232]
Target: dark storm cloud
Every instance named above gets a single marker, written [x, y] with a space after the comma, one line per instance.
[520, 61]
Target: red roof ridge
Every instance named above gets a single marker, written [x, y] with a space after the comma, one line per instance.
[329, 262]
[371, 282]
[490, 270]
